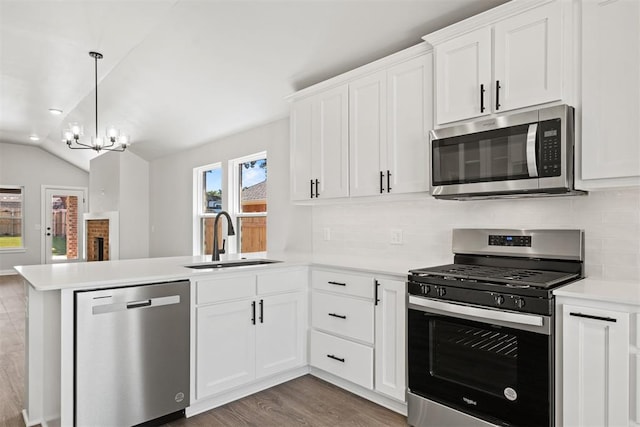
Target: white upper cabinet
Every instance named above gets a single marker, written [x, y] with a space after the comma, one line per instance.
[320, 145]
[330, 151]
[510, 62]
[528, 58]
[463, 76]
[367, 133]
[409, 118]
[610, 151]
[389, 118]
[364, 133]
[301, 143]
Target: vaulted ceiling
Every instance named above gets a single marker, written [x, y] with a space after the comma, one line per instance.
[180, 73]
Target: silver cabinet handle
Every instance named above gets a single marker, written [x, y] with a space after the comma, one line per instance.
[532, 164]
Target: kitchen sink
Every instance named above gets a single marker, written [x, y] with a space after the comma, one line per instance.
[228, 264]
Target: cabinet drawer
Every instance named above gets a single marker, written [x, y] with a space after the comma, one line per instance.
[344, 358]
[343, 315]
[216, 289]
[282, 281]
[344, 283]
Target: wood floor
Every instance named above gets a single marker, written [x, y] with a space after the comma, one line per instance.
[306, 401]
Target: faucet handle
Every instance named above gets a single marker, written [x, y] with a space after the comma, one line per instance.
[222, 251]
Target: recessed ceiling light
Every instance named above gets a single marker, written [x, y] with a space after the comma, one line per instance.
[55, 111]
[34, 137]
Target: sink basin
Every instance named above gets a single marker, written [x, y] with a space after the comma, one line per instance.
[228, 264]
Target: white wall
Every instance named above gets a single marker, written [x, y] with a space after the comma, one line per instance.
[171, 183]
[120, 182]
[611, 220]
[33, 167]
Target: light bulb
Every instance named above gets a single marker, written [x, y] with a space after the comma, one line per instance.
[97, 142]
[123, 140]
[112, 133]
[76, 129]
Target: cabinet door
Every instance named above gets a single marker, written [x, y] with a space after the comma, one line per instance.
[409, 118]
[610, 89]
[390, 345]
[367, 132]
[595, 367]
[463, 70]
[528, 58]
[301, 139]
[281, 331]
[330, 144]
[225, 347]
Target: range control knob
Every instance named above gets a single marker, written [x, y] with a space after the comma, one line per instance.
[499, 299]
[519, 302]
[442, 292]
[425, 289]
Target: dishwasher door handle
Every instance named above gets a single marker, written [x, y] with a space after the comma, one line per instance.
[123, 306]
[137, 304]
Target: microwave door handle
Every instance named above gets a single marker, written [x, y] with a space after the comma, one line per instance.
[532, 164]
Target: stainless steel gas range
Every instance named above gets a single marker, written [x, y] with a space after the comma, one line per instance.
[481, 330]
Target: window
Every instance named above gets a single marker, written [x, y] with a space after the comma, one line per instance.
[208, 202]
[250, 202]
[11, 217]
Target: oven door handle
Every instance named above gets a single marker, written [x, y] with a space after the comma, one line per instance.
[480, 313]
[532, 164]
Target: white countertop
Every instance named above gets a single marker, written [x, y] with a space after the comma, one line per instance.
[602, 290]
[49, 277]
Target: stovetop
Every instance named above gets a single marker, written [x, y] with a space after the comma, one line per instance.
[506, 276]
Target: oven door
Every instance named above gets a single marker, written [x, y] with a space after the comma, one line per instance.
[494, 365]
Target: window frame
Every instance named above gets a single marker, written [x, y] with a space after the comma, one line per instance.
[22, 248]
[235, 210]
[199, 213]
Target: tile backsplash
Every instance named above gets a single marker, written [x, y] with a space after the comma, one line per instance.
[611, 220]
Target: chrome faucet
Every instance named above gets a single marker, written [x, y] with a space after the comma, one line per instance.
[230, 232]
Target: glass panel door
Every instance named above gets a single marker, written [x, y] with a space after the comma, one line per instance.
[495, 155]
[64, 228]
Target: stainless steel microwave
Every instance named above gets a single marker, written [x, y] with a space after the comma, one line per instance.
[518, 155]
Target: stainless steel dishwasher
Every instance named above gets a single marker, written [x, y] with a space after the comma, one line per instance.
[131, 354]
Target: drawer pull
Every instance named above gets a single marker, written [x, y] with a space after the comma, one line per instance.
[337, 283]
[589, 316]
[340, 316]
[331, 356]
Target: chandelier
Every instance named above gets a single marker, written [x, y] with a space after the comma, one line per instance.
[113, 140]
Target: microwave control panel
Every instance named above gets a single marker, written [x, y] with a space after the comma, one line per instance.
[550, 161]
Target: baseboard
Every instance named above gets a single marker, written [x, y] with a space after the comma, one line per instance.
[10, 272]
[209, 403]
[30, 423]
[394, 405]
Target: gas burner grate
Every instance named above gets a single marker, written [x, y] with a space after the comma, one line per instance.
[515, 277]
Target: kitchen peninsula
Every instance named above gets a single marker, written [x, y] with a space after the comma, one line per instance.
[51, 320]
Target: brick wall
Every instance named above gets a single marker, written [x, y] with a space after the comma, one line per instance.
[97, 228]
[72, 227]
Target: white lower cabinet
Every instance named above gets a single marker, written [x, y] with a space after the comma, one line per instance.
[258, 331]
[391, 326]
[596, 375]
[225, 347]
[280, 333]
[344, 358]
[359, 330]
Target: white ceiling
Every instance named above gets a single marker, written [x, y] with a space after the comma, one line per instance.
[179, 73]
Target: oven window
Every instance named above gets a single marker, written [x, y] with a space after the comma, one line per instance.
[495, 155]
[484, 359]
